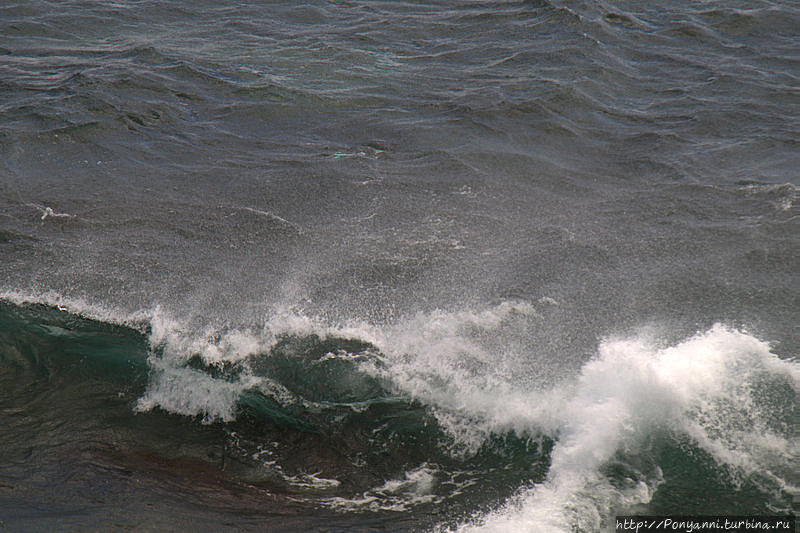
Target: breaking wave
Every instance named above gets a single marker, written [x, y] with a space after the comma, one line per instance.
[454, 408]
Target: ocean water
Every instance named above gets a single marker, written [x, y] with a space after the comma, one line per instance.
[454, 266]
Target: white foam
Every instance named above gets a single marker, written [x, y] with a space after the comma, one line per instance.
[49, 212]
[190, 392]
[474, 371]
[79, 306]
[181, 342]
[172, 386]
[448, 347]
[414, 488]
[631, 388]
[182, 390]
[472, 368]
[311, 481]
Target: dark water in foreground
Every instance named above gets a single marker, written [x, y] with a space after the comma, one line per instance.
[309, 434]
[401, 266]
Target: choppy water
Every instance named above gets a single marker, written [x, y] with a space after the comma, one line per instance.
[497, 266]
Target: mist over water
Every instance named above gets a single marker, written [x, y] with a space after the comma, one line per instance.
[397, 265]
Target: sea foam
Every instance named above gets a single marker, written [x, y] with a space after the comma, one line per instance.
[708, 388]
[632, 388]
[472, 370]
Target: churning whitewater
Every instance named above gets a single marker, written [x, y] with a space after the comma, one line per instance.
[430, 265]
[595, 436]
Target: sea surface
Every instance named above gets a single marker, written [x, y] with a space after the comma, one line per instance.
[446, 266]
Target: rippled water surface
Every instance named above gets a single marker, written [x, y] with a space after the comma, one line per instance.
[504, 266]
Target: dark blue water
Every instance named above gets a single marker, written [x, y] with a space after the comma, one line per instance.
[513, 266]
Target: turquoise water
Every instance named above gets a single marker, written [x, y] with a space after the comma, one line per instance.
[314, 428]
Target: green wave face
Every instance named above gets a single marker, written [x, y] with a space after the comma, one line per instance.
[326, 422]
[314, 428]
